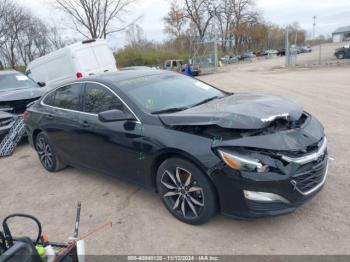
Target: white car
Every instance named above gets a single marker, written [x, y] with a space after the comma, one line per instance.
[271, 52]
[72, 62]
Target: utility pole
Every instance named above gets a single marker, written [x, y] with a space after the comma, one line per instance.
[287, 47]
[216, 57]
[314, 27]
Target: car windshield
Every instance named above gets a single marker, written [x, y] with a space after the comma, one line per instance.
[168, 92]
[15, 81]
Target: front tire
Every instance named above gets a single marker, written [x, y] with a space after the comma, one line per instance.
[47, 156]
[186, 191]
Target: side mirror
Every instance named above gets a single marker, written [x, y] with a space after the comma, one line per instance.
[41, 84]
[115, 115]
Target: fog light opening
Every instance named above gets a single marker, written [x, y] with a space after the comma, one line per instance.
[263, 196]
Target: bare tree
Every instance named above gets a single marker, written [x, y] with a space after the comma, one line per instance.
[201, 13]
[55, 38]
[135, 36]
[95, 18]
[175, 20]
[225, 17]
[33, 40]
[16, 21]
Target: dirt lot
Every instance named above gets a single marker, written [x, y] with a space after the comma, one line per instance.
[142, 225]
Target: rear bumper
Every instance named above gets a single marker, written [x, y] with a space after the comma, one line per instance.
[232, 186]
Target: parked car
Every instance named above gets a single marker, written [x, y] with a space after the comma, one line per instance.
[260, 53]
[247, 55]
[225, 59]
[281, 52]
[179, 65]
[200, 148]
[343, 52]
[79, 60]
[271, 52]
[306, 49]
[229, 59]
[16, 92]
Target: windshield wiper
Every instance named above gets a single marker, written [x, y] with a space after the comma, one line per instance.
[170, 110]
[205, 101]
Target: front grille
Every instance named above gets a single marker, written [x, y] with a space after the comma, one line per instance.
[16, 107]
[305, 181]
[5, 122]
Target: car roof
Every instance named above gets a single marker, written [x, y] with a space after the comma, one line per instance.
[119, 76]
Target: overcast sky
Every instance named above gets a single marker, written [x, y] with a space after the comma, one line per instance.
[330, 14]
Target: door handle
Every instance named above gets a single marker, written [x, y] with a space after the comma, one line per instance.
[50, 117]
[86, 124]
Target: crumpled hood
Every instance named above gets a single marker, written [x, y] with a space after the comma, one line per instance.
[21, 94]
[238, 111]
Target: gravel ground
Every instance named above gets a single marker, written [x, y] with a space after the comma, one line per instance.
[141, 225]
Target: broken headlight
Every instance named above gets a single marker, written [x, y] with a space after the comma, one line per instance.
[242, 162]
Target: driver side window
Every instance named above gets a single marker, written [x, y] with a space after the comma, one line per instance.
[99, 99]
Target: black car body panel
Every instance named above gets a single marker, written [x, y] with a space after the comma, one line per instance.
[267, 128]
[298, 139]
[238, 111]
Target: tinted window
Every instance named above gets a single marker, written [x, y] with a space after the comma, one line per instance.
[159, 92]
[50, 99]
[67, 97]
[99, 99]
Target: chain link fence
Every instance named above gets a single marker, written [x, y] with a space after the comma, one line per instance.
[205, 56]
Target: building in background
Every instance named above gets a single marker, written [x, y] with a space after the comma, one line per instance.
[341, 34]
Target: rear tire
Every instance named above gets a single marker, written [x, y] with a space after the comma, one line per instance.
[47, 155]
[186, 191]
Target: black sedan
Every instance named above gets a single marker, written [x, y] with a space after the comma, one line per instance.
[202, 149]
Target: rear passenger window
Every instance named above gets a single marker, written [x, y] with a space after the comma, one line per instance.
[99, 99]
[67, 97]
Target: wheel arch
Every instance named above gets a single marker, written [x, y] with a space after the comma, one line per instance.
[36, 132]
[172, 153]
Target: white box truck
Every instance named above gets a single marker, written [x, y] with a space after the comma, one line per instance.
[72, 62]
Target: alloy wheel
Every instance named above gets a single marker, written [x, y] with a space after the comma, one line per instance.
[182, 194]
[45, 153]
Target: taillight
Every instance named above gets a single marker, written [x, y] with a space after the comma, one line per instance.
[25, 115]
[79, 75]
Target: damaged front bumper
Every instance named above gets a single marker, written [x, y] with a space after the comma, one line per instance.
[240, 191]
[298, 167]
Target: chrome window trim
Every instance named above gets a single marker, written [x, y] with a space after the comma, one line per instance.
[315, 188]
[84, 82]
[308, 158]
